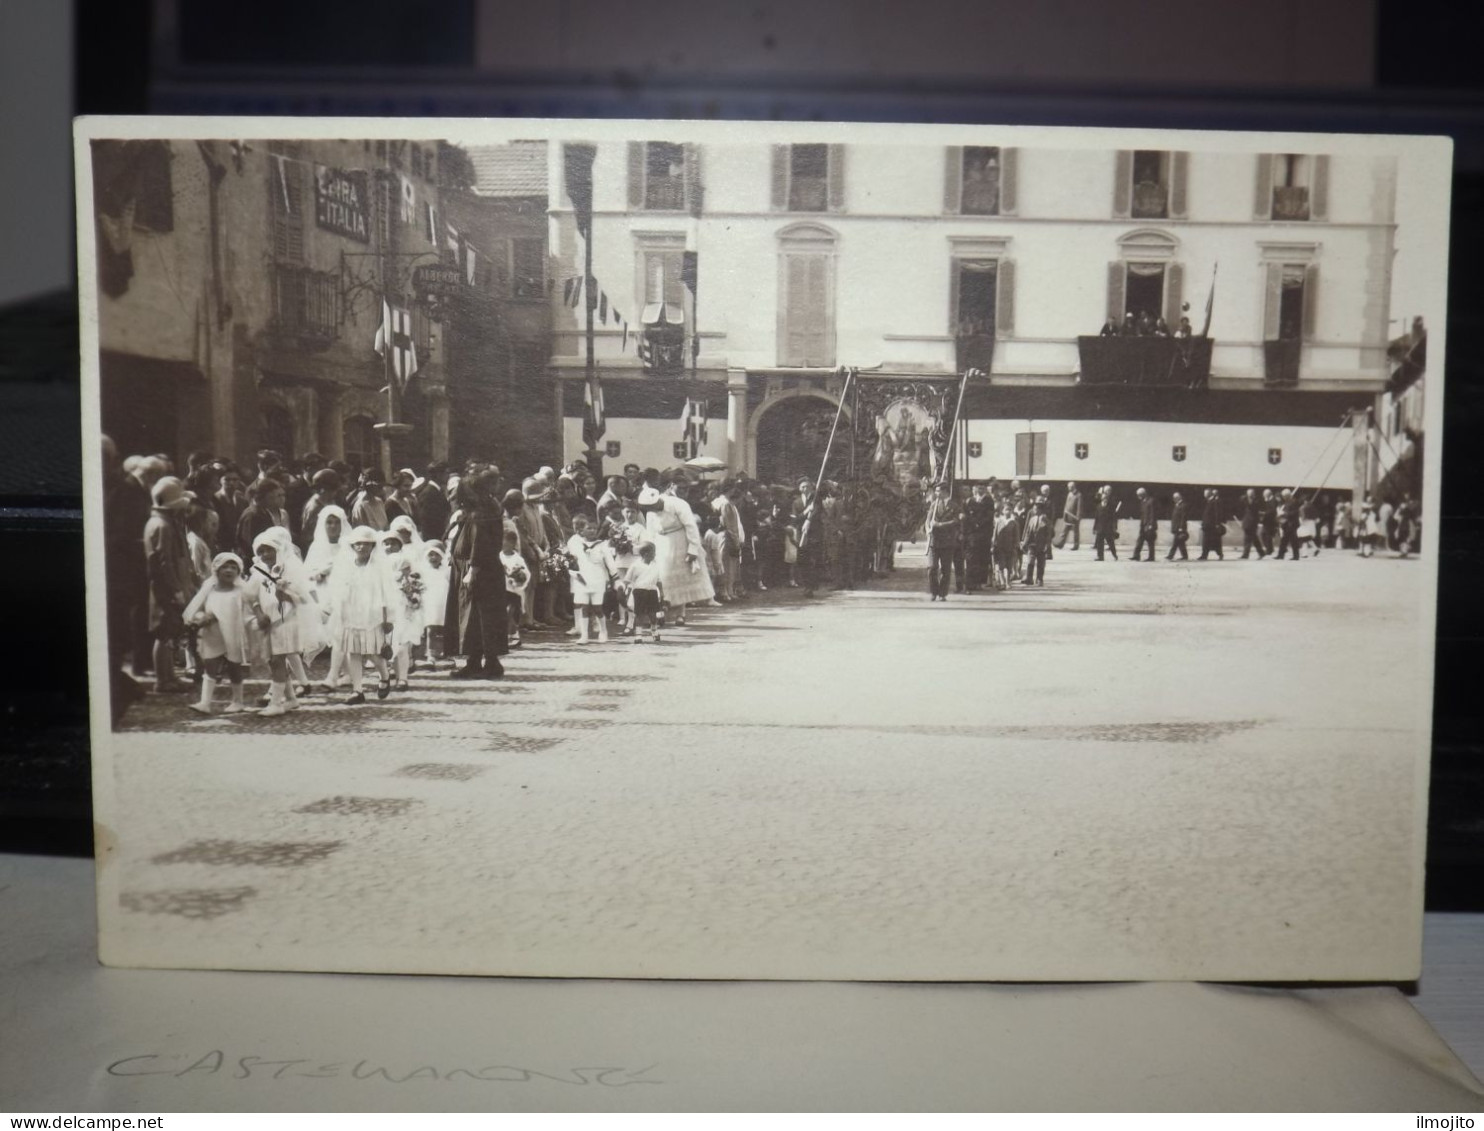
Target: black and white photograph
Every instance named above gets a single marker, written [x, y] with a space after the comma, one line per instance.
[683, 550]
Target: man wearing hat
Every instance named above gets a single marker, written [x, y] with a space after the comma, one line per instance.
[370, 505]
[167, 558]
[265, 510]
[1035, 543]
[1179, 530]
[400, 501]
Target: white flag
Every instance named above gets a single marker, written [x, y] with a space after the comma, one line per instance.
[409, 199]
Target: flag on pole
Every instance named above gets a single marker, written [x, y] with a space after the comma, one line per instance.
[432, 225]
[279, 163]
[395, 333]
[594, 421]
[577, 168]
[1210, 302]
[603, 308]
[569, 288]
[455, 241]
[625, 347]
[409, 198]
[693, 425]
[470, 271]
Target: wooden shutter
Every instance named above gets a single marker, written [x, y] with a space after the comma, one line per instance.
[1117, 273]
[837, 178]
[1123, 176]
[1179, 175]
[1009, 181]
[1004, 296]
[953, 181]
[821, 337]
[694, 190]
[1262, 198]
[1319, 189]
[1311, 300]
[636, 174]
[1272, 302]
[1174, 293]
[288, 215]
[794, 341]
[780, 178]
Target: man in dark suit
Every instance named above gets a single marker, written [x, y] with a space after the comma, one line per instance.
[978, 537]
[1148, 524]
[1105, 525]
[1267, 522]
[1179, 530]
[430, 496]
[1212, 526]
[326, 486]
[1251, 519]
[944, 537]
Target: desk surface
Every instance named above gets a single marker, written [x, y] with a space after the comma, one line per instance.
[83, 1037]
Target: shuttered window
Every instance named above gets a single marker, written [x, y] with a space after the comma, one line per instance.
[808, 178]
[806, 310]
[664, 176]
[1291, 302]
[1292, 186]
[286, 199]
[979, 180]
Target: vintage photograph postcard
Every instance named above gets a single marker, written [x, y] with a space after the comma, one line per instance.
[761, 550]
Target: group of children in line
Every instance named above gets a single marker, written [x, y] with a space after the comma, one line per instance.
[364, 595]
[613, 575]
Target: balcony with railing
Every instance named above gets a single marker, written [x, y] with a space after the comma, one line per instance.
[306, 304]
[664, 194]
[1280, 361]
[1290, 202]
[1151, 201]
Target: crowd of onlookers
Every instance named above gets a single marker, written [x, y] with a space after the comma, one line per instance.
[216, 571]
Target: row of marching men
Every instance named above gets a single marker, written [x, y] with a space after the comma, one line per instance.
[367, 596]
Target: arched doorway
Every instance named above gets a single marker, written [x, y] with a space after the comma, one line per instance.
[792, 436]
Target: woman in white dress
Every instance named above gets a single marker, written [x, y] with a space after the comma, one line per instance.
[671, 526]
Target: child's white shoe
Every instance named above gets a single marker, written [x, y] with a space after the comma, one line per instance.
[276, 705]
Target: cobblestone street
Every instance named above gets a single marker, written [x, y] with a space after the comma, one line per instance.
[800, 783]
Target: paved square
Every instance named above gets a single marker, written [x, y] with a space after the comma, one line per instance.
[1208, 769]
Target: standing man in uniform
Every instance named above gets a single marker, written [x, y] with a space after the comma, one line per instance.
[1148, 524]
[944, 536]
[1071, 513]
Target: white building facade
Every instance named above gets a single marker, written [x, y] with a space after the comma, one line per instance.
[774, 265]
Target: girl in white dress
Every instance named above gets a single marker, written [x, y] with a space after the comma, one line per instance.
[434, 568]
[330, 547]
[630, 534]
[405, 597]
[219, 612]
[277, 587]
[363, 606]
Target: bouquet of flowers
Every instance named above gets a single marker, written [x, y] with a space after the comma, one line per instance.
[411, 584]
[622, 544]
[554, 566]
[519, 575]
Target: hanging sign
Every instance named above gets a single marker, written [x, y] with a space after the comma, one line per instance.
[434, 281]
[340, 200]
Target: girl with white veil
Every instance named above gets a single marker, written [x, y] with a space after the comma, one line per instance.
[329, 548]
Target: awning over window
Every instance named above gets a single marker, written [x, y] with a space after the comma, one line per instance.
[657, 313]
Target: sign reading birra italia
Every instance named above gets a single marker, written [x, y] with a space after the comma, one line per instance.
[340, 202]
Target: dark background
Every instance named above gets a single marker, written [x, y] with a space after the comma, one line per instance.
[1326, 65]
